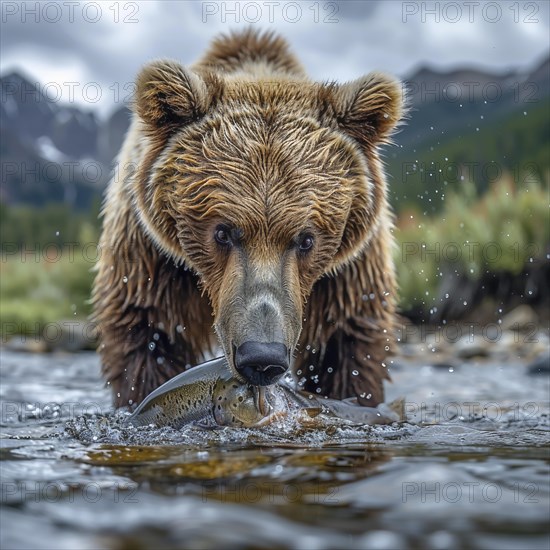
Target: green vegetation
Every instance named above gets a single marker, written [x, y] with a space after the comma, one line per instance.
[503, 230]
[29, 227]
[40, 291]
[45, 272]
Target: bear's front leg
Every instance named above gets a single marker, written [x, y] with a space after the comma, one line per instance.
[352, 363]
[152, 321]
[349, 329]
[138, 355]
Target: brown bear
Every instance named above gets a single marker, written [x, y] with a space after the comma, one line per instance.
[250, 203]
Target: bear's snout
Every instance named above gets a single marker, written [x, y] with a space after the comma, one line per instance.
[261, 363]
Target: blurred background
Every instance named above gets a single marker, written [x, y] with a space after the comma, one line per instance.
[468, 173]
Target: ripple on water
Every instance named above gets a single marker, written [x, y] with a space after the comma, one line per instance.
[462, 473]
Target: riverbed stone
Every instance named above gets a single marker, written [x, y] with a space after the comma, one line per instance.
[522, 317]
[470, 347]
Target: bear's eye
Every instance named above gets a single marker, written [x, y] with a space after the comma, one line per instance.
[221, 234]
[305, 243]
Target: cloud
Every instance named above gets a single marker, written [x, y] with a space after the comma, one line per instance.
[107, 42]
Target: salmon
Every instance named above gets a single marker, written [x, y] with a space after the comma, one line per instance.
[210, 394]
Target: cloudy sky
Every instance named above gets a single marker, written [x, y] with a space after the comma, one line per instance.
[68, 47]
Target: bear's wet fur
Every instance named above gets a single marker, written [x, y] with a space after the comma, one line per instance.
[246, 142]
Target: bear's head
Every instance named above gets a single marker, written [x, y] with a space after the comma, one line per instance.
[261, 187]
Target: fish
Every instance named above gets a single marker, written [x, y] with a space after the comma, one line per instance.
[209, 394]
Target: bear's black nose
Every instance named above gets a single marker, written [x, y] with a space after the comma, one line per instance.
[260, 363]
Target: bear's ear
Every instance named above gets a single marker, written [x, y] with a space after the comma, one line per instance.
[369, 108]
[169, 95]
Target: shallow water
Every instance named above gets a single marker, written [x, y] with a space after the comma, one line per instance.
[469, 469]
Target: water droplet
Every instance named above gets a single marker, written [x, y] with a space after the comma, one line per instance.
[369, 395]
[152, 346]
[179, 329]
[124, 279]
[311, 367]
[160, 360]
[156, 336]
[451, 369]
[355, 372]
[329, 369]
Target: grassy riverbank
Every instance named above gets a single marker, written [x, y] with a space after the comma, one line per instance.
[503, 231]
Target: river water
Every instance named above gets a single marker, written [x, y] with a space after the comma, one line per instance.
[468, 470]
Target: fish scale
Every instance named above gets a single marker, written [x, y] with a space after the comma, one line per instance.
[210, 392]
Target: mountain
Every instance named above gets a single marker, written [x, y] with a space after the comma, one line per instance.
[462, 124]
[52, 152]
[449, 101]
[469, 124]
